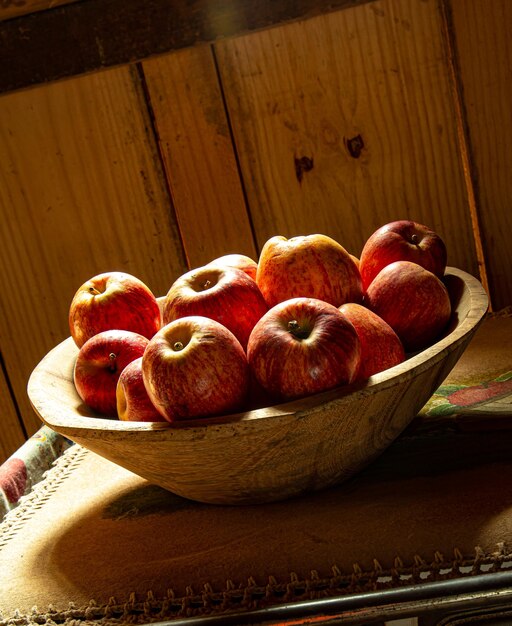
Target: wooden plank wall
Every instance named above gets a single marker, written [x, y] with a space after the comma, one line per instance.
[374, 76]
[335, 124]
[82, 192]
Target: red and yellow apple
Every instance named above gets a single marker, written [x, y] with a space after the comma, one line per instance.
[310, 266]
[113, 300]
[99, 364]
[412, 300]
[238, 261]
[195, 367]
[225, 294]
[133, 403]
[303, 346]
[381, 347]
[402, 240]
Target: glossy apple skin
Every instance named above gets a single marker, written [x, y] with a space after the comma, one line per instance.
[195, 367]
[402, 240]
[413, 301]
[133, 403]
[324, 353]
[113, 300]
[238, 261]
[381, 347]
[225, 294]
[310, 266]
[96, 371]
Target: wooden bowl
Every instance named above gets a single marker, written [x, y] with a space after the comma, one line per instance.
[271, 453]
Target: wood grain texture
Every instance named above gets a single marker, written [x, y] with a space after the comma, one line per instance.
[270, 453]
[11, 431]
[197, 150]
[86, 36]
[481, 29]
[345, 122]
[15, 8]
[81, 192]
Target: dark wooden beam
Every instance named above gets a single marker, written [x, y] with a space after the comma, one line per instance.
[93, 34]
[15, 8]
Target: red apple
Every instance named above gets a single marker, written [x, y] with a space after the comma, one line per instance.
[402, 240]
[195, 367]
[224, 294]
[99, 364]
[310, 266]
[239, 261]
[303, 346]
[113, 300]
[381, 347]
[133, 403]
[412, 300]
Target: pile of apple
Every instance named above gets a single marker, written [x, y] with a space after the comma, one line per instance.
[237, 334]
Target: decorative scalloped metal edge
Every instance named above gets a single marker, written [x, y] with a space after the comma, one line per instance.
[252, 596]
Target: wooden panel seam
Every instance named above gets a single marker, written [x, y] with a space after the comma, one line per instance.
[13, 432]
[196, 145]
[158, 149]
[470, 177]
[235, 151]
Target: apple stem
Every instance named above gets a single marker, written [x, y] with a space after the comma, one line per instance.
[414, 238]
[295, 329]
[177, 346]
[93, 291]
[207, 284]
[112, 358]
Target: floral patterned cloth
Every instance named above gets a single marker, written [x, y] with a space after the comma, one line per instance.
[479, 388]
[27, 466]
